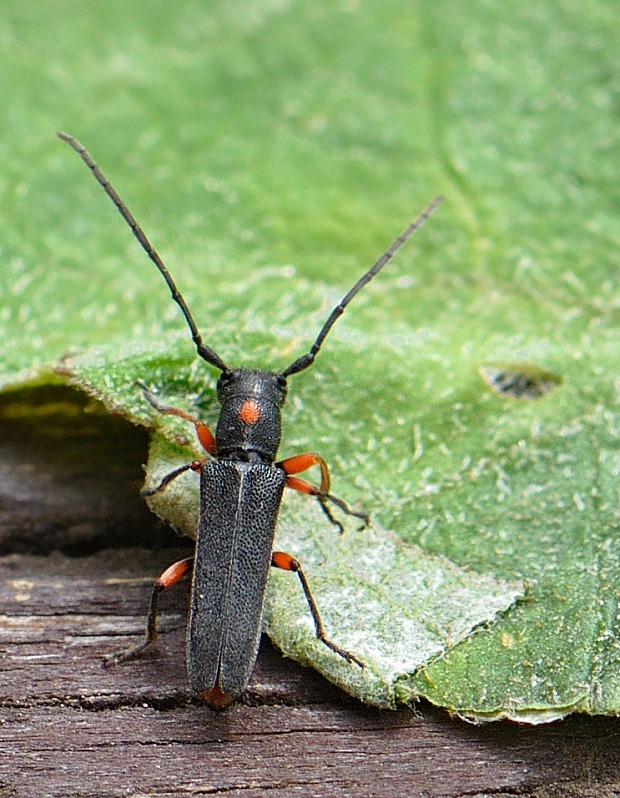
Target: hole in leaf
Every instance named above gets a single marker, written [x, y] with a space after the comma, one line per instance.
[519, 380]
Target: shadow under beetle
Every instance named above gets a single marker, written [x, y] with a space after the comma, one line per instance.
[241, 487]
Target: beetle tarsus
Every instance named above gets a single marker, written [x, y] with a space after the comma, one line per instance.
[280, 559]
[171, 576]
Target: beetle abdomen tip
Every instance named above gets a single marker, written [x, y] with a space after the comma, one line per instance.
[216, 698]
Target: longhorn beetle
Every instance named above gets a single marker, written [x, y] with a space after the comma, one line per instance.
[241, 487]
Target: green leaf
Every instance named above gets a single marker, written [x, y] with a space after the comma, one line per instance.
[272, 152]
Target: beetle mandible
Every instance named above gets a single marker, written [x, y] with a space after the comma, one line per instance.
[241, 487]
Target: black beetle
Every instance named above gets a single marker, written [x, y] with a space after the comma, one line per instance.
[241, 487]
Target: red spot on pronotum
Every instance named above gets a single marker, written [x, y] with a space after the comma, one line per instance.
[249, 412]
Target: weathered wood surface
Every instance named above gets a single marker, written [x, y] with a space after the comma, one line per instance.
[68, 727]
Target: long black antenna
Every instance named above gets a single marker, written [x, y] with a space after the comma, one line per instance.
[306, 360]
[205, 352]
